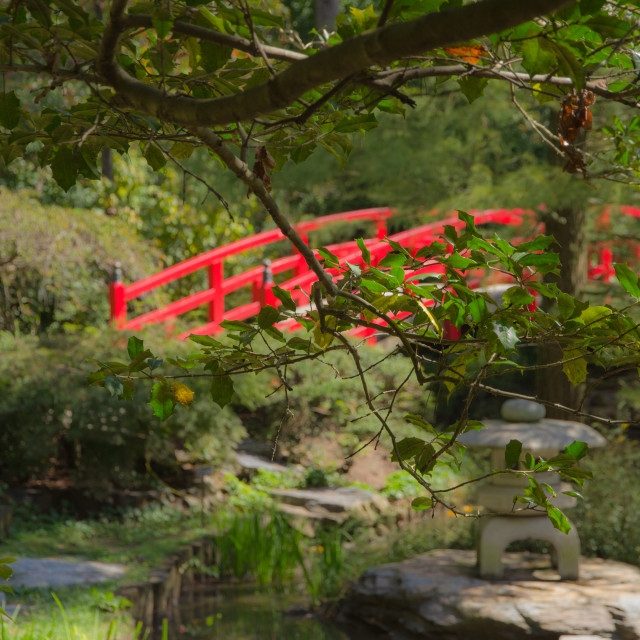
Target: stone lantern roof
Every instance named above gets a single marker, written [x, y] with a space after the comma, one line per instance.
[525, 421]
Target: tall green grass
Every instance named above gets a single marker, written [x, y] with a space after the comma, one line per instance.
[263, 546]
[61, 626]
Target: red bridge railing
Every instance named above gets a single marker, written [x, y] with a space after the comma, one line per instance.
[219, 286]
[260, 278]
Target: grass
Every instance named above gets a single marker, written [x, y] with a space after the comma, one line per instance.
[258, 543]
[83, 617]
[142, 538]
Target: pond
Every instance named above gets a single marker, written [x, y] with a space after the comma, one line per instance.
[240, 611]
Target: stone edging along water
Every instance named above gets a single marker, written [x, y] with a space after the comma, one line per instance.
[156, 598]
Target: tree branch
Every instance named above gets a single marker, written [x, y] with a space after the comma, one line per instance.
[377, 47]
[401, 76]
[256, 185]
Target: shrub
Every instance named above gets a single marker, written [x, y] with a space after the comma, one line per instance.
[57, 263]
[56, 426]
[608, 519]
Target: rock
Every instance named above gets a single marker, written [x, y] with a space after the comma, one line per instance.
[335, 505]
[56, 572]
[338, 500]
[518, 410]
[254, 463]
[438, 595]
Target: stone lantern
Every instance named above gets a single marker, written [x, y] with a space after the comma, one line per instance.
[541, 437]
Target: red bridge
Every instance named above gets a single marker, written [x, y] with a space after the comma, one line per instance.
[300, 277]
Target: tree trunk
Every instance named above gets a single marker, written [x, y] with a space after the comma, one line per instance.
[326, 12]
[568, 228]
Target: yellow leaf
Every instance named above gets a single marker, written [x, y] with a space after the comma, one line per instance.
[182, 394]
[575, 370]
[455, 371]
[321, 338]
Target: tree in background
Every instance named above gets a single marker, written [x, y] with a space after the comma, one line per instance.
[231, 78]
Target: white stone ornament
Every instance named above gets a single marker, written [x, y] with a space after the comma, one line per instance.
[517, 410]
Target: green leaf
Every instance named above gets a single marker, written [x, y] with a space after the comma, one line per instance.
[518, 297]
[134, 346]
[576, 474]
[607, 26]
[300, 344]
[128, 389]
[373, 285]
[575, 370]
[357, 124]
[139, 361]
[540, 260]
[566, 305]
[392, 260]
[512, 454]
[236, 325]
[456, 261]
[275, 333]
[573, 494]
[268, 316]
[213, 56]
[285, 297]
[408, 448]
[366, 254]
[206, 341]
[113, 386]
[478, 309]
[595, 314]
[162, 401]
[222, 390]
[577, 450]
[419, 421]
[558, 519]
[506, 334]
[154, 157]
[9, 109]
[472, 88]
[569, 64]
[537, 244]
[529, 461]
[330, 259]
[561, 460]
[421, 503]
[627, 279]
[64, 168]
[162, 23]
[538, 56]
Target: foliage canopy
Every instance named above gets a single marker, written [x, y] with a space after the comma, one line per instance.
[168, 77]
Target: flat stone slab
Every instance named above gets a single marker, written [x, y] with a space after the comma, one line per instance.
[253, 462]
[439, 595]
[54, 572]
[335, 500]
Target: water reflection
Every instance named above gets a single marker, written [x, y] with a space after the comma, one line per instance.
[247, 612]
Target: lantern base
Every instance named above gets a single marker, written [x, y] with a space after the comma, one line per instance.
[496, 532]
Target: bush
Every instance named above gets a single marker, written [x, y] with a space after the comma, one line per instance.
[608, 519]
[56, 427]
[57, 263]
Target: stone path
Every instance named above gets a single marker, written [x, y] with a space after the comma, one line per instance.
[50, 573]
[438, 595]
[56, 572]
